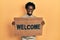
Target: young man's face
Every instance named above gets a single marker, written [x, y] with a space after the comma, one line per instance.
[30, 10]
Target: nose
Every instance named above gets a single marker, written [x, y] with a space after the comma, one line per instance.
[30, 10]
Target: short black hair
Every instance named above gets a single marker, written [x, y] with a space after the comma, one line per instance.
[30, 4]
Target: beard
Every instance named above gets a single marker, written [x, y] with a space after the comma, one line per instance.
[29, 14]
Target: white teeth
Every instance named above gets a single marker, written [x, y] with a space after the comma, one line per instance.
[29, 12]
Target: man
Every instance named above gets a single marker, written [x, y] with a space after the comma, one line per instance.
[30, 7]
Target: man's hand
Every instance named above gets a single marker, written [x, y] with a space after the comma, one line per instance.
[42, 22]
[13, 23]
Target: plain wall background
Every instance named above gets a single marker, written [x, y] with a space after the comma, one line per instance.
[48, 9]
